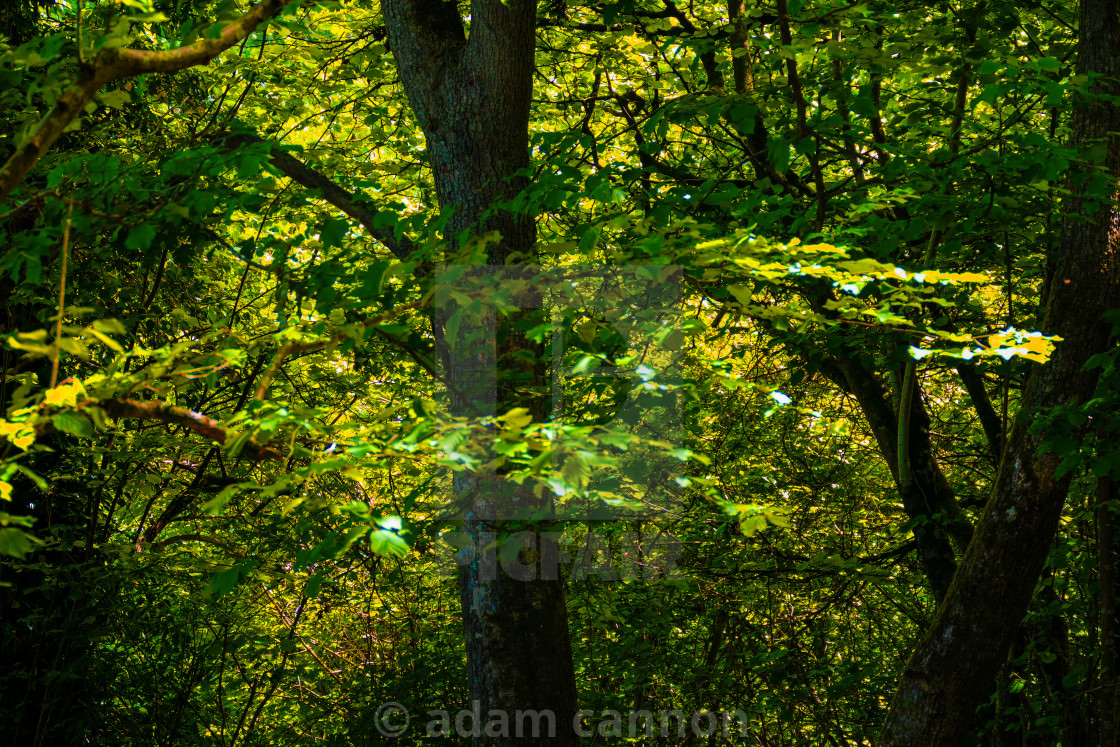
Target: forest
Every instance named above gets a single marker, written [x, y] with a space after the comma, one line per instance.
[503, 372]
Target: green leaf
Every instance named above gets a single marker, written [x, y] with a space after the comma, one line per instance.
[223, 582]
[16, 543]
[332, 232]
[74, 423]
[388, 543]
[114, 99]
[140, 237]
[742, 294]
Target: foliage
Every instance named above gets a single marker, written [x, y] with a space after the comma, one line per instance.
[227, 446]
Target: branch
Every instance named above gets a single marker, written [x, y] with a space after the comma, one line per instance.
[307, 347]
[427, 38]
[162, 412]
[113, 64]
[331, 192]
[196, 538]
[993, 428]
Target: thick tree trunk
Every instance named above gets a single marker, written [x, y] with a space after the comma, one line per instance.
[953, 667]
[471, 97]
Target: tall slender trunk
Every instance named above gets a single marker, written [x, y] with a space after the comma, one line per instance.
[1106, 571]
[471, 97]
[952, 669]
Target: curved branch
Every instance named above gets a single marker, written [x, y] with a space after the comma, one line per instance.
[197, 538]
[989, 419]
[113, 64]
[162, 412]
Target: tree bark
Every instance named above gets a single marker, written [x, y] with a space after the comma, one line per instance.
[471, 97]
[953, 667]
[1106, 492]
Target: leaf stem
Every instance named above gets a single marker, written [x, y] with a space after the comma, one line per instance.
[61, 293]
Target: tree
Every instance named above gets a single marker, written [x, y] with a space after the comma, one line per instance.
[471, 95]
[952, 669]
[236, 404]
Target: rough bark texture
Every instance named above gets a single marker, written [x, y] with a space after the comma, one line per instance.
[1106, 493]
[471, 97]
[952, 669]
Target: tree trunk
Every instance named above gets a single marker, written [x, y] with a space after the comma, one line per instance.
[1106, 491]
[472, 97]
[953, 667]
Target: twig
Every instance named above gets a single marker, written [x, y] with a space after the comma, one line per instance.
[161, 411]
[81, 58]
[61, 294]
[307, 347]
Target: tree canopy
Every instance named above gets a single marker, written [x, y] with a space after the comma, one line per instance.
[412, 362]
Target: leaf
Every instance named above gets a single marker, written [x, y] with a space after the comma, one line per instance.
[390, 523]
[312, 589]
[114, 99]
[16, 543]
[109, 342]
[140, 237]
[517, 418]
[74, 423]
[64, 395]
[21, 435]
[250, 164]
[223, 582]
[332, 232]
[384, 542]
[33, 476]
[742, 294]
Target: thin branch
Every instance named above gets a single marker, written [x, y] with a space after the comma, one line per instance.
[196, 538]
[57, 354]
[197, 422]
[307, 347]
[162, 412]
